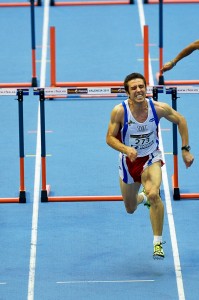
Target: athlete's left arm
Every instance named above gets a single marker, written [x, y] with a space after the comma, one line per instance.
[165, 111]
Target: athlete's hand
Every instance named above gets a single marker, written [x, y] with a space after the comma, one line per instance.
[131, 153]
[167, 66]
[188, 158]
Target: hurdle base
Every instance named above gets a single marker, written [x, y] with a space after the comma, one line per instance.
[161, 80]
[44, 196]
[34, 82]
[176, 194]
[22, 197]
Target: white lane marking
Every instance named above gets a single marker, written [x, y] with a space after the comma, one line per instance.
[172, 230]
[104, 281]
[36, 196]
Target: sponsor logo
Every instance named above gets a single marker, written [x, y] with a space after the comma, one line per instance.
[78, 91]
[117, 90]
[7, 92]
[141, 127]
[55, 91]
[99, 91]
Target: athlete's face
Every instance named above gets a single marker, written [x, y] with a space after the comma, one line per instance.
[137, 90]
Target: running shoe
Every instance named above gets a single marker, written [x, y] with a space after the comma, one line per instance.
[158, 252]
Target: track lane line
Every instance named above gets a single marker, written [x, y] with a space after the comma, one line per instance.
[174, 243]
[105, 281]
[37, 179]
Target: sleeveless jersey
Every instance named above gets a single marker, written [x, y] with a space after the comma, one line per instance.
[141, 136]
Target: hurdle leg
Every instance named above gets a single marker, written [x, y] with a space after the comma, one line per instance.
[146, 53]
[176, 190]
[52, 57]
[32, 13]
[22, 193]
[44, 193]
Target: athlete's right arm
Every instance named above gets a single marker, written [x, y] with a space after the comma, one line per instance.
[115, 124]
[185, 52]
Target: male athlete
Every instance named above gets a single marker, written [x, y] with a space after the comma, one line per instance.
[133, 131]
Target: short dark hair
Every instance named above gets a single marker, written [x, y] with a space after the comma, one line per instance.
[133, 76]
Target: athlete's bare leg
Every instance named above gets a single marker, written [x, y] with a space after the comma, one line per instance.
[151, 180]
[130, 195]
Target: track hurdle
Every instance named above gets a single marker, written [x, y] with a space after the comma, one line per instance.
[53, 80]
[177, 195]
[90, 2]
[33, 52]
[64, 92]
[19, 93]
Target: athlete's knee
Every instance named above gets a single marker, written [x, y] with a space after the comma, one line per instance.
[130, 208]
[153, 196]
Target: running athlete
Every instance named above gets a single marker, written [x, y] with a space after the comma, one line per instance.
[133, 131]
[183, 53]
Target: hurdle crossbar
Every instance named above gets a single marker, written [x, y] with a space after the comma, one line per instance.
[16, 85]
[19, 4]
[176, 82]
[81, 3]
[45, 188]
[90, 84]
[19, 93]
[146, 53]
[177, 195]
[84, 198]
[171, 1]
[181, 82]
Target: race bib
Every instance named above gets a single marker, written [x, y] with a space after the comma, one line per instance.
[142, 141]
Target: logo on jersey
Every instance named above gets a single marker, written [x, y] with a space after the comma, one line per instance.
[141, 128]
[152, 119]
[130, 122]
